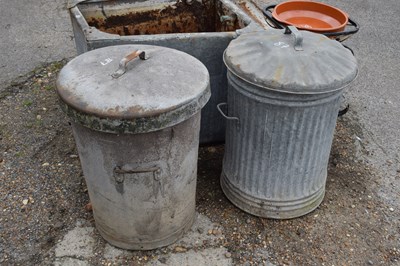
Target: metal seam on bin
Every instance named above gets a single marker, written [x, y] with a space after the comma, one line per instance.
[139, 125]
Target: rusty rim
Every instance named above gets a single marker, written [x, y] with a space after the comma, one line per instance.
[312, 16]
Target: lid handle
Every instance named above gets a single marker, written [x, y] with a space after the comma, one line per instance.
[298, 37]
[124, 62]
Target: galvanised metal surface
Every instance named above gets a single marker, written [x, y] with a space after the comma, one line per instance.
[142, 186]
[135, 112]
[163, 90]
[270, 59]
[202, 29]
[281, 126]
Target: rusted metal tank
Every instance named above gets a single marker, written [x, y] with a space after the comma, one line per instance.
[136, 124]
[283, 100]
[202, 29]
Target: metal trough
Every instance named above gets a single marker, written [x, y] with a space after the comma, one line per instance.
[202, 29]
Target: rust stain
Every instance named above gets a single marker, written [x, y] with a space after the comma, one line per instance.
[177, 18]
[278, 73]
[244, 7]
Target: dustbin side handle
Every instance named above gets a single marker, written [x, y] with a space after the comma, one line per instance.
[129, 171]
[119, 172]
[232, 118]
[124, 62]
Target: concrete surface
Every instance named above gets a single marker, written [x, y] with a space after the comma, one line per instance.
[77, 243]
[32, 33]
[77, 247]
[375, 97]
[214, 256]
[70, 262]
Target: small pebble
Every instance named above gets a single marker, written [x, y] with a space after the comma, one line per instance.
[248, 221]
[38, 117]
[45, 164]
[200, 230]
[209, 232]
[211, 150]
[180, 249]
[25, 201]
[89, 207]
[370, 262]
[58, 225]
[353, 206]
[391, 209]
[228, 254]
[73, 156]
[216, 232]
[163, 260]
[300, 232]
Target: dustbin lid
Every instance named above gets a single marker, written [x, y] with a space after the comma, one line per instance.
[271, 60]
[166, 88]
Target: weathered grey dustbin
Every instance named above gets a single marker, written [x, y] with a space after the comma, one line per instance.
[283, 101]
[137, 134]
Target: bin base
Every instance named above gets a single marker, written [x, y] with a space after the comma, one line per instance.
[267, 208]
[134, 244]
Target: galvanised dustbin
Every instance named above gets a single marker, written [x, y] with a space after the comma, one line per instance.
[283, 100]
[136, 124]
[202, 29]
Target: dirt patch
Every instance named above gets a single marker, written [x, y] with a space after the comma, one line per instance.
[42, 188]
[43, 195]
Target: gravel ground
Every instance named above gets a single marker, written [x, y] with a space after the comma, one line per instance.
[43, 195]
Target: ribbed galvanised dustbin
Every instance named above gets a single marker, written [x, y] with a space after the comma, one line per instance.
[136, 124]
[202, 29]
[283, 100]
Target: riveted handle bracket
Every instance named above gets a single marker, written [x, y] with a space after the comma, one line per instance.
[298, 37]
[124, 62]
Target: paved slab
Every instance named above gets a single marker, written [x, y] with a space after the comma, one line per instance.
[77, 247]
[77, 243]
